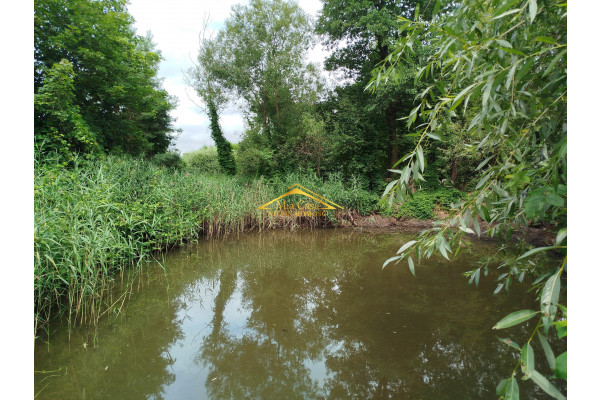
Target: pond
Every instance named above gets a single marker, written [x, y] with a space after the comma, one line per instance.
[292, 315]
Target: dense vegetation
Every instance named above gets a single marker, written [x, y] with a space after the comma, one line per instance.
[500, 68]
[96, 88]
[445, 107]
[204, 159]
[98, 216]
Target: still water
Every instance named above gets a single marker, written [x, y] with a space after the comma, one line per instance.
[292, 315]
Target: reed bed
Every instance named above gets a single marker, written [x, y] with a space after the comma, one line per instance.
[95, 218]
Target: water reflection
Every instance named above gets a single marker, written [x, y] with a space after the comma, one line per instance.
[306, 315]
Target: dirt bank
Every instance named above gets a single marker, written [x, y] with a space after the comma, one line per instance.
[535, 236]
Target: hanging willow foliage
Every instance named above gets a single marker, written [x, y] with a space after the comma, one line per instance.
[506, 61]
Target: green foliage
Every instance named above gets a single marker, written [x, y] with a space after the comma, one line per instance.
[561, 366]
[170, 159]
[515, 318]
[348, 193]
[447, 197]
[546, 200]
[224, 150]
[454, 160]
[96, 80]
[368, 28]
[98, 216]
[256, 158]
[356, 135]
[258, 57]
[312, 144]
[59, 127]
[361, 34]
[510, 390]
[204, 79]
[508, 57]
[423, 203]
[204, 160]
[420, 206]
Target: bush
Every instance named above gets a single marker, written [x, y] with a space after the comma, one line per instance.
[255, 157]
[447, 196]
[352, 194]
[170, 159]
[205, 160]
[422, 204]
[59, 126]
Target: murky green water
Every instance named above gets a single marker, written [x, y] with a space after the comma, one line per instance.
[291, 315]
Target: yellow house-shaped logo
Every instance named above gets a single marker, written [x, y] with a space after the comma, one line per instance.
[298, 189]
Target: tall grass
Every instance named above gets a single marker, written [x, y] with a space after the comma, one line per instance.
[94, 218]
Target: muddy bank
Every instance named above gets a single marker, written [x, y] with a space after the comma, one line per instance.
[543, 236]
[535, 236]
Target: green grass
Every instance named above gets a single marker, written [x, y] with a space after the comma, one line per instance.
[95, 218]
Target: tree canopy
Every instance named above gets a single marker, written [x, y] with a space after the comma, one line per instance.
[110, 89]
[259, 58]
[361, 35]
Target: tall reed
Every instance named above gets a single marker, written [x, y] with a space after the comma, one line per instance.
[94, 218]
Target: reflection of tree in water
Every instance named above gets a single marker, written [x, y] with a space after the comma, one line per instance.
[403, 341]
[267, 361]
[313, 301]
[381, 335]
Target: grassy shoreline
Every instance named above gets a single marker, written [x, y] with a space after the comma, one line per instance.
[96, 218]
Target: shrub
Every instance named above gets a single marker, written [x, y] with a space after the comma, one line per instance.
[419, 206]
[255, 157]
[447, 196]
[170, 159]
[422, 204]
[205, 160]
[59, 126]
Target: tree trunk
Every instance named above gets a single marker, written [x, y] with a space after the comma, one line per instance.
[319, 161]
[454, 170]
[264, 117]
[277, 108]
[392, 131]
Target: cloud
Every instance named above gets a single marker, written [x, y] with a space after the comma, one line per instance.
[175, 26]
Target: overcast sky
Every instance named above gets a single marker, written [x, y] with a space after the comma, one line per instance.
[175, 26]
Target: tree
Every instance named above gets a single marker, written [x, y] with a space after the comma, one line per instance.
[203, 78]
[224, 151]
[258, 57]
[114, 82]
[510, 57]
[355, 146]
[59, 126]
[312, 145]
[361, 34]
